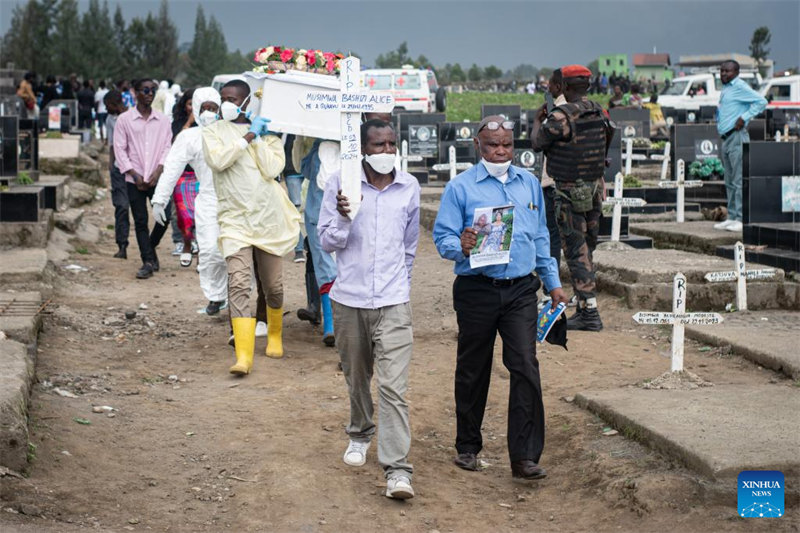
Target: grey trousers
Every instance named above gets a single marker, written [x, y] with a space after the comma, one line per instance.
[731, 155]
[380, 339]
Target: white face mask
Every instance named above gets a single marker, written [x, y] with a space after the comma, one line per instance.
[207, 118]
[231, 111]
[382, 163]
[496, 169]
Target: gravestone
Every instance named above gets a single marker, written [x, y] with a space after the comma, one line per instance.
[777, 119]
[509, 112]
[631, 123]
[693, 142]
[69, 114]
[21, 203]
[770, 205]
[525, 157]
[9, 153]
[460, 135]
[421, 132]
[757, 129]
[29, 147]
[708, 114]
[674, 116]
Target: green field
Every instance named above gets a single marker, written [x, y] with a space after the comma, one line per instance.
[467, 106]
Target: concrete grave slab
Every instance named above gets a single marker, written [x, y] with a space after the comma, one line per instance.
[644, 279]
[718, 431]
[699, 236]
[768, 338]
[19, 317]
[16, 377]
[23, 265]
[65, 148]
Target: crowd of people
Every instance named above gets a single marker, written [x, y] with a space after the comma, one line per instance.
[237, 190]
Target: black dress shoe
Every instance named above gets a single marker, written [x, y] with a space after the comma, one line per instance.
[527, 470]
[122, 253]
[145, 272]
[467, 461]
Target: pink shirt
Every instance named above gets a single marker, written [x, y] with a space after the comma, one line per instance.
[141, 145]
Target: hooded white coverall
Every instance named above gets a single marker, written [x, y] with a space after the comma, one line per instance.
[188, 150]
[254, 211]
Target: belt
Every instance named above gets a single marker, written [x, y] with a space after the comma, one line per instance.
[498, 282]
[726, 135]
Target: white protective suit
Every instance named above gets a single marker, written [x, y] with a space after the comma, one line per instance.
[164, 100]
[187, 149]
[253, 208]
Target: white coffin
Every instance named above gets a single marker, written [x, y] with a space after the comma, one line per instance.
[282, 94]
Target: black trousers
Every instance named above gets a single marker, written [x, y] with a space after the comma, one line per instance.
[482, 311]
[119, 199]
[147, 241]
[552, 224]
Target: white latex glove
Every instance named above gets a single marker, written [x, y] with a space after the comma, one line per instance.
[159, 213]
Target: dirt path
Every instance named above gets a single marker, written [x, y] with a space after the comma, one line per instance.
[202, 451]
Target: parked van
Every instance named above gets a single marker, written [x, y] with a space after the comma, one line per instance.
[413, 89]
[222, 79]
[783, 92]
[696, 90]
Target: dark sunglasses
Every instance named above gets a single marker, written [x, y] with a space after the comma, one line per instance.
[148, 90]
[494, 125]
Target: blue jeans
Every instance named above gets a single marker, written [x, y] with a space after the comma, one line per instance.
[324, 265]
[294, 184]
[731, 156]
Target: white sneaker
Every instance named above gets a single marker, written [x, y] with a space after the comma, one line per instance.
[356, 453]
[735, 226]
[178, 248]
[399, 488]
[724, 224]
[261, 329]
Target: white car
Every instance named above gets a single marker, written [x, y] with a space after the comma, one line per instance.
[783, 92]
[413, 89]
[696, 90]
[222, 79]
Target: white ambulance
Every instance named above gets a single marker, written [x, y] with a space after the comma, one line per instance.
[413, 89]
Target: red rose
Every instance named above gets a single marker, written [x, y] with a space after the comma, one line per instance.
[286, 54]
[311, 57]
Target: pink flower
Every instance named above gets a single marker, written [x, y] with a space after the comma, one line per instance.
[287, 54]
[311, 57]
[329, 65]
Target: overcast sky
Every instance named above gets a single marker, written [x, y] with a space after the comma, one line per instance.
[541, 33]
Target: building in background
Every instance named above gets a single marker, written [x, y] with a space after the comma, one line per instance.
[654, 67]
[613, 64]
[704, 62]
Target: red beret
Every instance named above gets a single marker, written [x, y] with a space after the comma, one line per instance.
[575, 71]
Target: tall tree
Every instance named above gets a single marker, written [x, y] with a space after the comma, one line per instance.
[196, 67]
[121, 37]
[28, 43]
[492, 73]
[457, 73]
[67, 38]
[758, 44]
[475, 73]
[163, 44]
[99, 49]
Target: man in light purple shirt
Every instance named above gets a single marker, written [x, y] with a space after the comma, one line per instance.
[374, 256]
[142, 138]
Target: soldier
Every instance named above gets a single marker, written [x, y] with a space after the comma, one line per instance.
[575, 139]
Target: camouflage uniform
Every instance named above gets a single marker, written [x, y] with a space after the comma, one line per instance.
[578, 228]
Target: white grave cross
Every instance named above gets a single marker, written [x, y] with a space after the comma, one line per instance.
[405, 158]
[664, 158]
[618, 201]
[678, 318]
[681, 184]
[740, 274]
[350, 102]
[630, 156]
[452, 166]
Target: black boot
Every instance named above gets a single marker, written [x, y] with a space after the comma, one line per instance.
[585, 320]
[311, 313]
[122, 253]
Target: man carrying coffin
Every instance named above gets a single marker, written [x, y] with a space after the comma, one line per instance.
[254, 214]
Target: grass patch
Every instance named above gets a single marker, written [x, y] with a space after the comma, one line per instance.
[467, 105]
[31, 453]
[110, 226]
[53, 135]
[23, 178]
[82, 250]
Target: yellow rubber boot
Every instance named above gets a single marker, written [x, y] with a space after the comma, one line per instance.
[244, 336]
[275, 332]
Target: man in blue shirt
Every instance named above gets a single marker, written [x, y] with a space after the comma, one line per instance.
[738, 104]
[498, 297]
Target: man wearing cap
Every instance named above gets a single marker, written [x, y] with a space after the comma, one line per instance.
[498, 297]
[575, 137]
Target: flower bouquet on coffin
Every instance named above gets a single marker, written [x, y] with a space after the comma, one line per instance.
[273, 59]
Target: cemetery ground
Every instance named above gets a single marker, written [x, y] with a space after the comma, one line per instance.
[187, 447]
